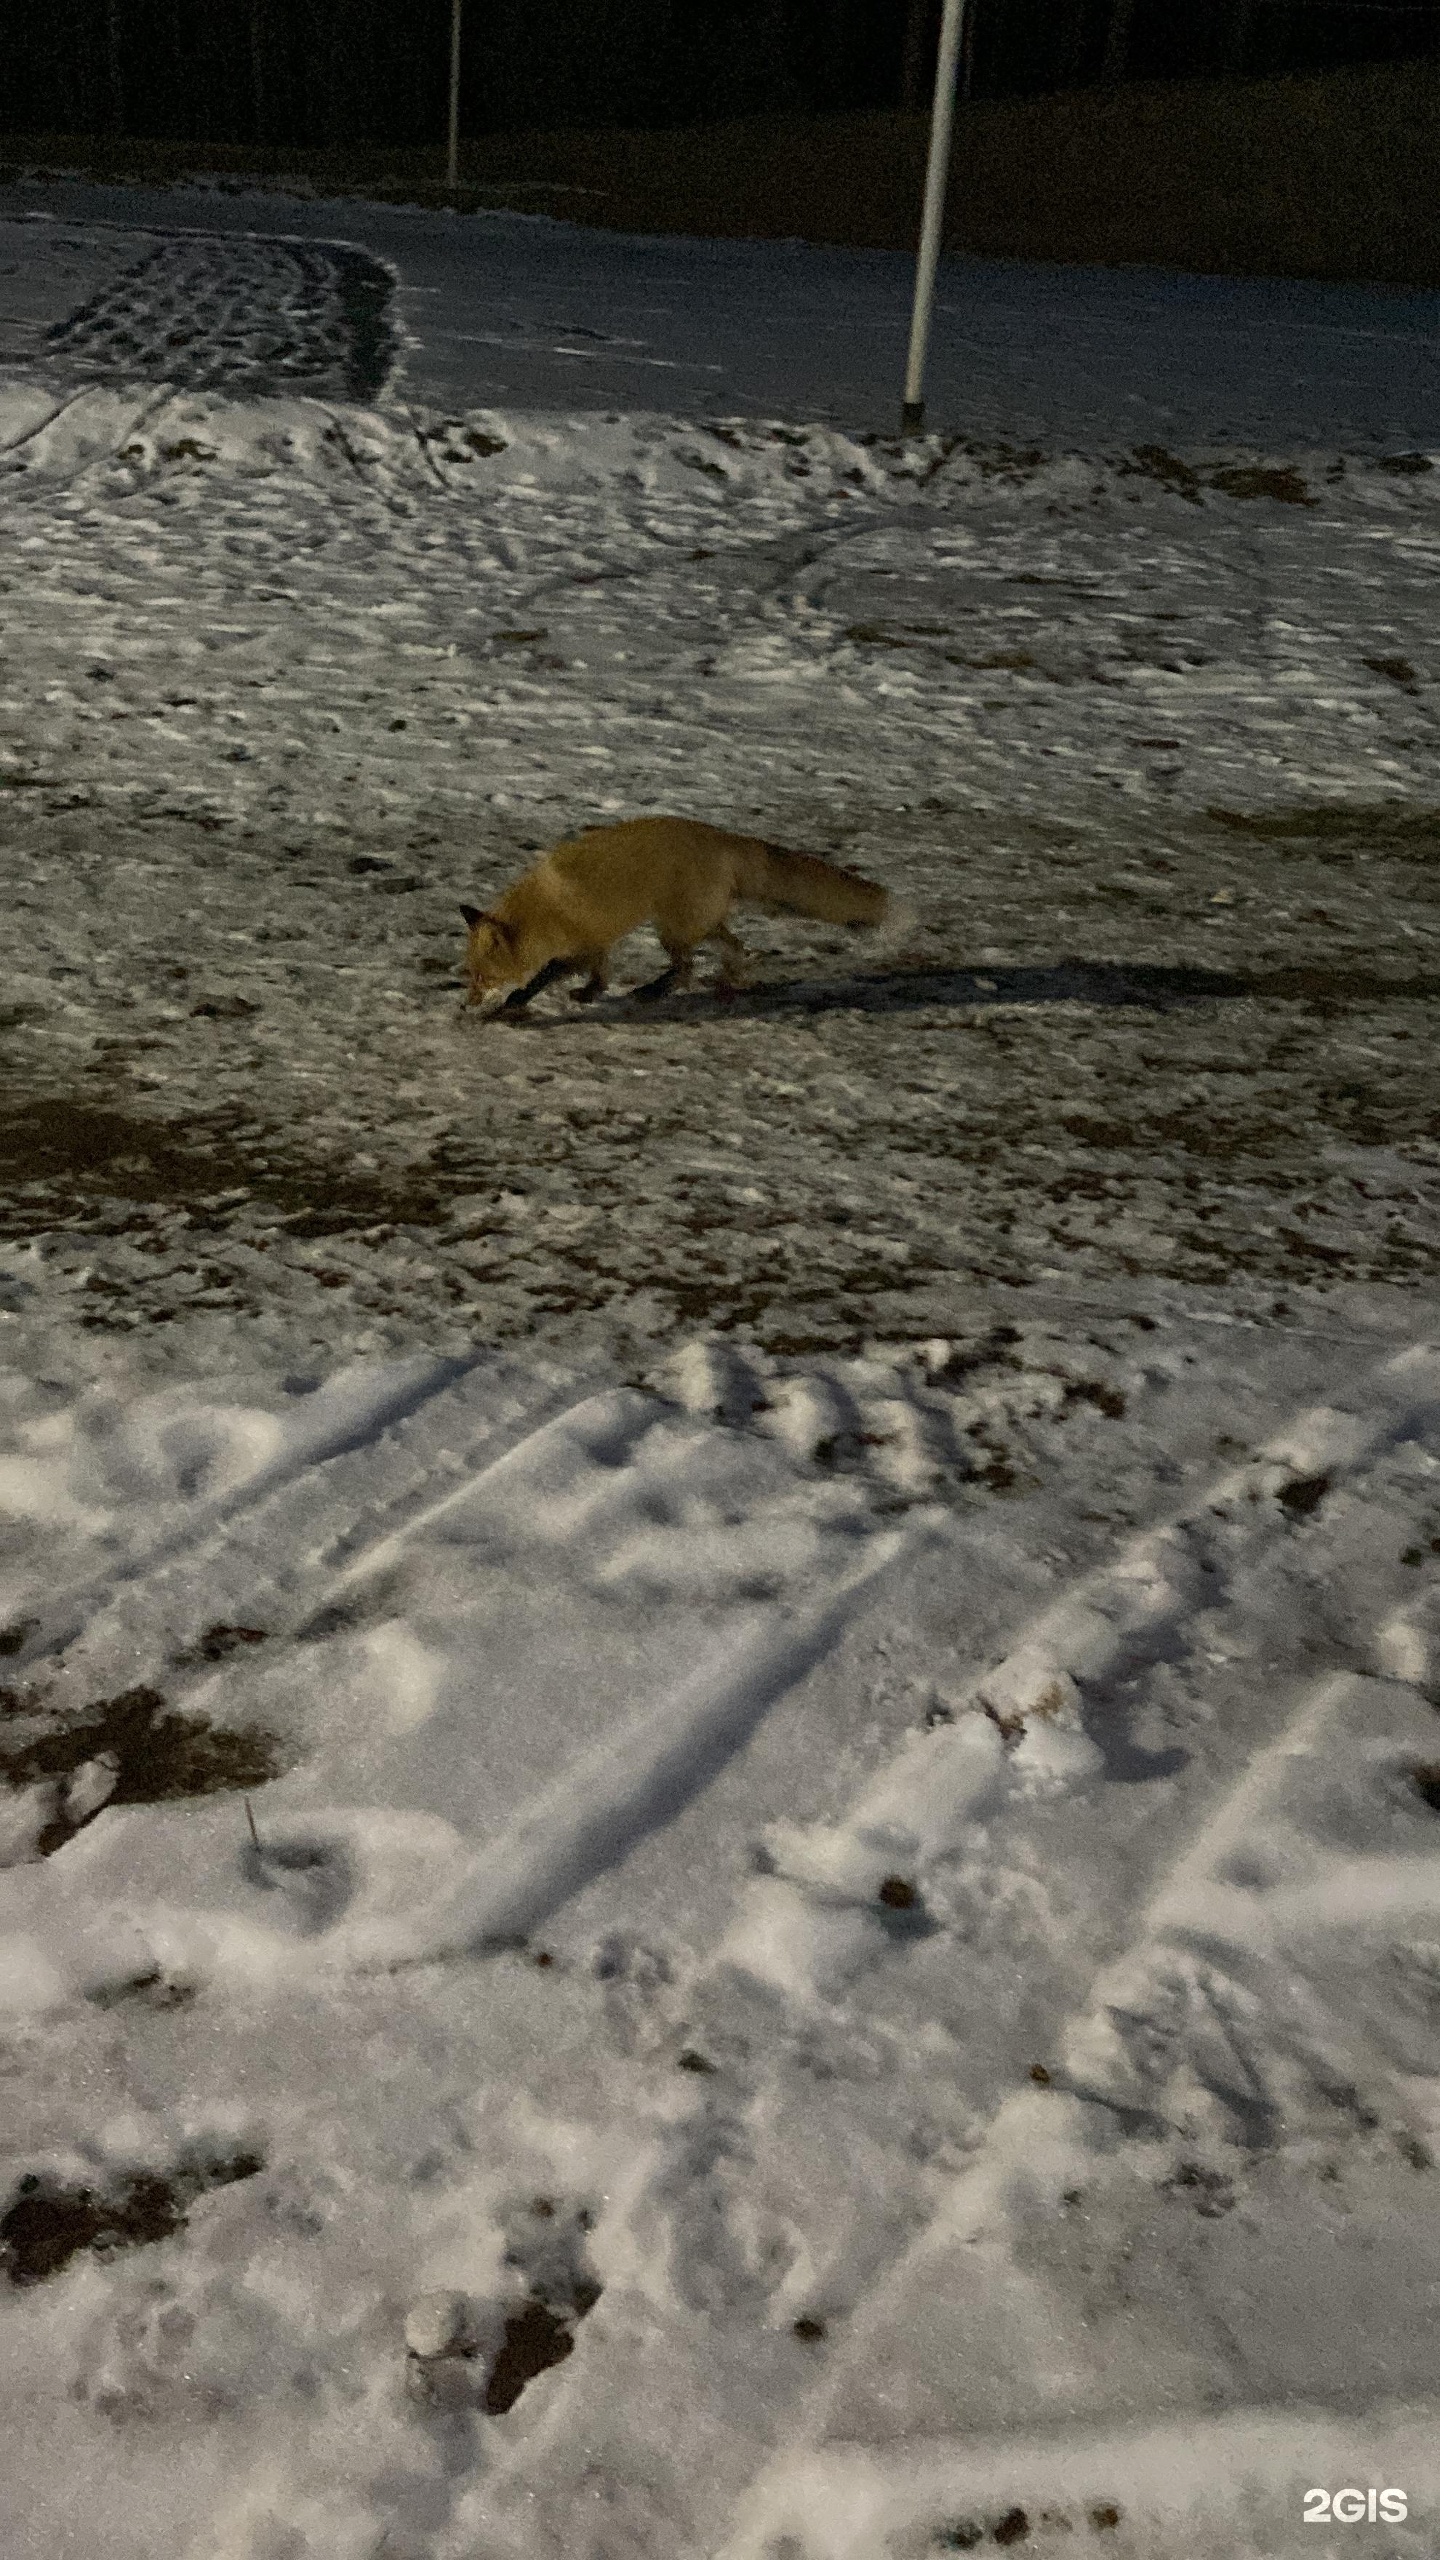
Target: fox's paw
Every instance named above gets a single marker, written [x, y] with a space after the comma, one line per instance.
[655, 988]
[899, 927]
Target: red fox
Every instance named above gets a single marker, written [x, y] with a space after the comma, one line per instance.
[675, 873]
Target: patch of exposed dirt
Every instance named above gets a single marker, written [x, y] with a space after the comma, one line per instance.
[1254, 480]
[217, 1643]
[535, 2339]
[156, 1756]
[93, 1151]
[49, 2221]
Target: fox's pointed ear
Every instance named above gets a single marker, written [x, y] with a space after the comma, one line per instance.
[472, 915]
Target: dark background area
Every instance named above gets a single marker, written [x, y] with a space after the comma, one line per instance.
[322, 74]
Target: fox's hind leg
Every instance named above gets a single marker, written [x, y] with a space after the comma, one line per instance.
[734, 961]
[679, 974]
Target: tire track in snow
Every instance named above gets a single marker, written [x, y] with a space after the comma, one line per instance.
[632, 1783]
[572, 1481]
[803, 1935]
[249, 313]
[1246, 2019]
[601, 1428]
[1265, 1875]
[816, 1921]
[638, 1778]
[148, 1625]
[1234, 2485]
[29, 435]
[338, 1424]
[61, 443]
[1202, 2035]
[530, 1454]
[221, 1558]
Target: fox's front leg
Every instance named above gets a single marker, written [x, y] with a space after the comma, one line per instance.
[519, 997]
[598, 964]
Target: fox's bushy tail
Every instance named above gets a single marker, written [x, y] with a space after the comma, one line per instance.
[809, 886]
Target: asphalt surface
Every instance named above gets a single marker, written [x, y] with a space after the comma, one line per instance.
[526, 313]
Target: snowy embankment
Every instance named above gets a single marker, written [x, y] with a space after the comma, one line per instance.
[720, 1730]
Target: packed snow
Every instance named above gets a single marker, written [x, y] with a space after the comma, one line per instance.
[720, 1729]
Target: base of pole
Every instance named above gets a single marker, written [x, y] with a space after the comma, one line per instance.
[912, 418]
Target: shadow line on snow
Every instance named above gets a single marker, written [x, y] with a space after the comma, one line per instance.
[1147, 986]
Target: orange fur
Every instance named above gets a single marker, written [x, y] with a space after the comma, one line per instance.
[676, 874]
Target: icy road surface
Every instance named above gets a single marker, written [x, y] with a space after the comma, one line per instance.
[543, 315]
[719, 1729]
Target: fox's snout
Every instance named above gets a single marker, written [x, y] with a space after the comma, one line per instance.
[489, 961]
[486, 991]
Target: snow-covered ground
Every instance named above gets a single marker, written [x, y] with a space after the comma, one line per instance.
[721, 1728]
[934, 1997]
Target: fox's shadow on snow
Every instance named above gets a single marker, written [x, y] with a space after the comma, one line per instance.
[1151, 987]
[917, 989]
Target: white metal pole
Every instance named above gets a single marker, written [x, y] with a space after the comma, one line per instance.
[937, 171]
[452, 167]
